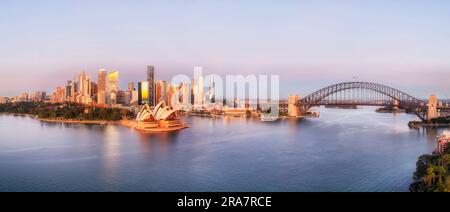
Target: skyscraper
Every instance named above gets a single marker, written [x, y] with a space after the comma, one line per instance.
[160, 92]
[112, 87]
[84, 84]
[143, 97]
[84, 89]
[101, 94]
[199, 89]
[113, 82]
[212, 91]
[131, 86]
[69, 90]
[151, 85]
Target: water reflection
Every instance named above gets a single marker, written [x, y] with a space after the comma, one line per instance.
[111, 154]
[357, 150]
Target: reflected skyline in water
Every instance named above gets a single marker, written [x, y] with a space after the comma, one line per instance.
[343, 150]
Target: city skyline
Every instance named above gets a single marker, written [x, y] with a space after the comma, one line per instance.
[301, 41]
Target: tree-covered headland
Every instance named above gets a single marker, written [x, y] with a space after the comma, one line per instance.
[66, 111]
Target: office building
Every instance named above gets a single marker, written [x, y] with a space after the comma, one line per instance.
[101, 94]
[59, 94]
[112, 87]
[151, 85]
[160, 91]
[131, 86]
[68, 90]
[143, 95]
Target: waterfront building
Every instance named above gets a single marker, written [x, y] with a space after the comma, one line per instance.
[160, 117]
[443, 142]
[293, 109]
[151, 85]
[101, 93]
[432, 107]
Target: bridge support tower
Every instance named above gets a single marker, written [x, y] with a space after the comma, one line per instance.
[432, 107]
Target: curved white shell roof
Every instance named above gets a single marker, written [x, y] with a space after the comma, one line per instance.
[159, 113]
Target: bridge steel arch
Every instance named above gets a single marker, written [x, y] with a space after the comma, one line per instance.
[404, 100]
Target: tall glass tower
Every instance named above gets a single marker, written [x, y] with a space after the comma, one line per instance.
[151, 85]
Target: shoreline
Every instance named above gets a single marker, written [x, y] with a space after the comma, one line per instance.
[64, 121]
[124, 122]
[133, 125]
[432, 125]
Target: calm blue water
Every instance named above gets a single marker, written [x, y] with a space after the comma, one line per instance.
[343, 150]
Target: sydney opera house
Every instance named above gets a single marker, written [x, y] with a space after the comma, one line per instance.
[161, 118]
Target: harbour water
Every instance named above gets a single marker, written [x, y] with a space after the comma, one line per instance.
[343, 150]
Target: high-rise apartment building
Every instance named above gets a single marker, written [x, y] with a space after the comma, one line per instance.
[84, 89]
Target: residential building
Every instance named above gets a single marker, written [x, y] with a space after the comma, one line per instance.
[443, 142]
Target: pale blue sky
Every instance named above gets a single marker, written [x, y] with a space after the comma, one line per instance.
[402, 43]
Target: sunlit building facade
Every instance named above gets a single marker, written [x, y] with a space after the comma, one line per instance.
[112, 87]
[143, 93]
[101, 94]
[293, 109]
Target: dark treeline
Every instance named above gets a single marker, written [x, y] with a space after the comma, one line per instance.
[441, 120]
[432, 174]
[68, 111]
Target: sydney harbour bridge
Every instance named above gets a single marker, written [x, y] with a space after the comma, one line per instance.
[366, 94]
